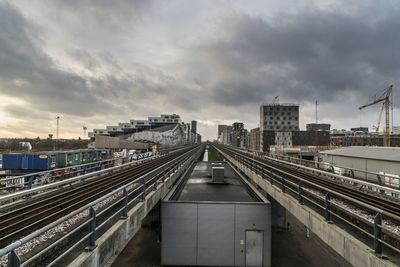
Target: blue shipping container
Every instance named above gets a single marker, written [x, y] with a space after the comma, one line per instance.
[29, 161]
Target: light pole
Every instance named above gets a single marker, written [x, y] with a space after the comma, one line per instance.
[84, 131]
[58, 125]
[57, 133]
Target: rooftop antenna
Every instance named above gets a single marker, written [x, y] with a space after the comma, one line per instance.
[276, 100]
[316, 111]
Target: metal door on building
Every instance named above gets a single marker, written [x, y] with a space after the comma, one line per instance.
[254, 248]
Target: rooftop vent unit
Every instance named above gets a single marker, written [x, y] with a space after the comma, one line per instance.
[218, 173]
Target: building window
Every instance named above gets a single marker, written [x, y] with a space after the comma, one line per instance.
[283, 113]
[288, 122]
[277, 127]
[284, 118]
[282, 122]
[275, 122]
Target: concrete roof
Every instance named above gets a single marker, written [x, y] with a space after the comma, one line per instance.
[377, 153]
[199, 188]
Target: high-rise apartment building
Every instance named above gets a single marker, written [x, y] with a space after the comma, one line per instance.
[194, 127]
[278, 117]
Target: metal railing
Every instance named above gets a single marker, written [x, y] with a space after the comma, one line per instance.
[373, 177]
[67, 182]
[326, 204]
[98, 219]
[28, 181]
[394, 192]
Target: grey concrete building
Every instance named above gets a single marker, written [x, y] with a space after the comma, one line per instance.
[165, 136]
[221, 128]
[380, 160]
[318, 127]
[239, 135]
[254, 139]
[280, 117]
[194, 127]
[206, 224]
[134, 126]
[226, 136]
[359, 129]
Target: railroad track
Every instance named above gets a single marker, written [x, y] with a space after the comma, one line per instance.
[390, 207]
[24, 220]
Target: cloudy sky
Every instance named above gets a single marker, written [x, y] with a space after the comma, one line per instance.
[96, 63]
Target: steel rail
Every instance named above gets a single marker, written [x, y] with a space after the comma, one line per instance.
[309, 163]
[69, 181]
[9, 248]
[266, 171]
[322, 172]
[339, 194]
[84, 194]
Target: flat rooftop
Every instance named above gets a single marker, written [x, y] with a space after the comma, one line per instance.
[198, 186]
[365, 152]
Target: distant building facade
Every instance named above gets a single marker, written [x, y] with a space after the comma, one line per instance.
[359, 138]
[235, 135]
[239, 135]
[194, 127]
[221, 128]
[311, 138]
[254, 139]
[226, 135]
[318, 127]
[134, 126]
[360, 129]
[277, 117]
[160, 130]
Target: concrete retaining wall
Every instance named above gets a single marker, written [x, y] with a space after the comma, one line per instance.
[111, 243]
[351, 249]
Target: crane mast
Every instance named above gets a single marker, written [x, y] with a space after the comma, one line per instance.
[385, 98]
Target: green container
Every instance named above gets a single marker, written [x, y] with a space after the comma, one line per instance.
[75, 158]
[61, 160]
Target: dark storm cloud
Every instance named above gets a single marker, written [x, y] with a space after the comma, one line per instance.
[83, 56]
[303, 56]
[113, 14]
[29, 74]
[108, 61]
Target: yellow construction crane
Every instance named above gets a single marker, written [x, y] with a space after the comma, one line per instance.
[383, 97]
[377, 127]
